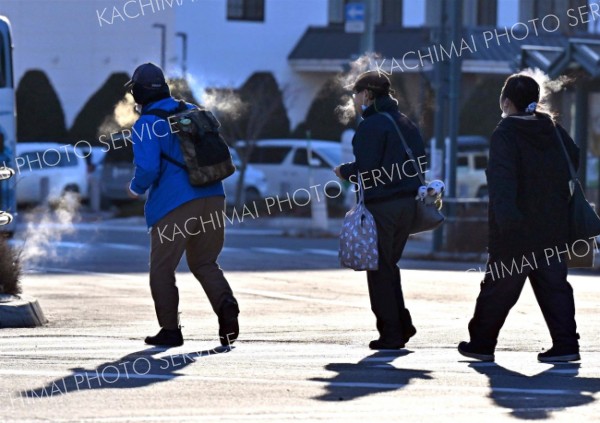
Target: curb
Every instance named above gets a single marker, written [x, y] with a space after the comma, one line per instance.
[20, 311]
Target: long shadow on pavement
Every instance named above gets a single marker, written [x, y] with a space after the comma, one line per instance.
[537, 397]
[371, 375]
[134, 370]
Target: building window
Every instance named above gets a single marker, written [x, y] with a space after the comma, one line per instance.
[487, 12]
[391, 12]
[246, 10]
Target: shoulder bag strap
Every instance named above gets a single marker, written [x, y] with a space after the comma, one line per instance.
[163, 114]
[406, 147]
[569, 162]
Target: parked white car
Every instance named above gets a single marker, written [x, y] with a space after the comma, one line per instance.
[64, 170]
[471, 181]
[255, 182]
[296, 164]
[471, 163]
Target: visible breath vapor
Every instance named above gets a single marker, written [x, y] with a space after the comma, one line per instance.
[346, 112]
[46, 227]
[124, 116]
[547, 85]
[224, 102]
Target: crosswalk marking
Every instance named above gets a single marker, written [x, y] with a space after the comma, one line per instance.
[271, 250]
[144, 248]
[280, 381]
[321, 252]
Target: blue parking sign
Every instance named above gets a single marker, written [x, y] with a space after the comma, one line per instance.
[355, 17]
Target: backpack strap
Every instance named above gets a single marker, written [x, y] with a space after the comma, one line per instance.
[163, 114]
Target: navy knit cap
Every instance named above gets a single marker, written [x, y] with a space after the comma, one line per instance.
[148, 84]
[148, 76]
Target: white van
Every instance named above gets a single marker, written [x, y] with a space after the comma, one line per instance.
[471, 163]
[292, 165]
[64, 170]
[255, 182]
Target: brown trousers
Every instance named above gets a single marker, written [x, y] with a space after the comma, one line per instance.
[197, 228]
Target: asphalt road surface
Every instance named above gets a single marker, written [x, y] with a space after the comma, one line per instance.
[302, 353]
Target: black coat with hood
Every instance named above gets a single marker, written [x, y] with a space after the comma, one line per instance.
[381, 159]
[528, 183]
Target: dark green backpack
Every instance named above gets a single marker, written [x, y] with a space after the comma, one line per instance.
[206, 154]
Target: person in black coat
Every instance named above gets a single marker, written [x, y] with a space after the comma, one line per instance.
[390, 182]
[528, 183]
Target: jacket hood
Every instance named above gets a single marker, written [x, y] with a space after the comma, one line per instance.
[537, 129]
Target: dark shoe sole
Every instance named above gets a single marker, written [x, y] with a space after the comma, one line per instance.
[476, 356]
[376, 345]
[559, 358]
[150, 341]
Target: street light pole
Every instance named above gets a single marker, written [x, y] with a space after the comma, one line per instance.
[163, 43]
[183, 36]
[367, 39]
[453, 96]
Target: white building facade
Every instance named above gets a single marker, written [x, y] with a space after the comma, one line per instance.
[79, 43]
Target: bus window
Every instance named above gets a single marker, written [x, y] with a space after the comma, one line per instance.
[2, 61]
[7, 124]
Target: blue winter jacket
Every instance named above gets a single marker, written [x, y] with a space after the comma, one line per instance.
[168, 183]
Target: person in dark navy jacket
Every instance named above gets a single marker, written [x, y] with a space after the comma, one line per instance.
[181, 217]
[390, 183]
[528, 183]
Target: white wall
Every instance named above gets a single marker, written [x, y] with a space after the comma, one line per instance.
[78, 50]
[225, 53]
[64, 38]
[508, 13]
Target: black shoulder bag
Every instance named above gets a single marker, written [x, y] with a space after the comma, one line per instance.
[584, 223]
[427, 216]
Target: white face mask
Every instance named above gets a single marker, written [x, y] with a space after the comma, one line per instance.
[504, 115]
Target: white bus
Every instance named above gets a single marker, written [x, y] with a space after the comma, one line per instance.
[7, 123]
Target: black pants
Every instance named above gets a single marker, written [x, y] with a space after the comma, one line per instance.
[393, 219]
[501, 288]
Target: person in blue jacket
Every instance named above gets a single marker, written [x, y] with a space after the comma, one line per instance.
[181, 217]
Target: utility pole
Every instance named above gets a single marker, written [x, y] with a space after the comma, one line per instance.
[454, 96]
[183, 36]
[163, 44]
[440, 37]
[367, 40]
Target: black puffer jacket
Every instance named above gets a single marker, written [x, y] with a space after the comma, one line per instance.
[528, 186]
[380, 157]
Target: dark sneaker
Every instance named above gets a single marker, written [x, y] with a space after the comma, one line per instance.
[166, 337]
[380, 344]
[229, 328]
[559, 354]
[409, 330]
[467, 349]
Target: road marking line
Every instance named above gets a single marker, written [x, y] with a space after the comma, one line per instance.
[273, 250]
[233, 250]
[128, 247]
[311, 382]
[321, 252]
[97, 227]
[271, 294]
